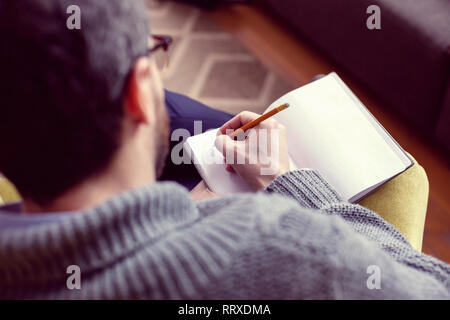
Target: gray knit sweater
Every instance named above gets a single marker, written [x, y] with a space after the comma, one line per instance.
[296, 240]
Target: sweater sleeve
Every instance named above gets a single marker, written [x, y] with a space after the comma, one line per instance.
[307, 187]
[310, 190]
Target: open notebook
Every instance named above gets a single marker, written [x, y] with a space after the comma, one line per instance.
[328, 130]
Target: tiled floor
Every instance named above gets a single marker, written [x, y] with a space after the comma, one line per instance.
[209, 64]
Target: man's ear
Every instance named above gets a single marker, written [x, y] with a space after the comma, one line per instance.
[138, 97]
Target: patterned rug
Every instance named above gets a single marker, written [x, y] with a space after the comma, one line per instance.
[209, 65]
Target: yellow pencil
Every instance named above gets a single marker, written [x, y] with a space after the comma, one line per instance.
[257, 121]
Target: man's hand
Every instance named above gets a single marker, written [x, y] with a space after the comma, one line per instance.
[201, 191]
[264, 151]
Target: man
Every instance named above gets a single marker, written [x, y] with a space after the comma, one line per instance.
[84, 136]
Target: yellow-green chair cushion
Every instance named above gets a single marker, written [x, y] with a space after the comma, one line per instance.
[8, 192]
[403, 203]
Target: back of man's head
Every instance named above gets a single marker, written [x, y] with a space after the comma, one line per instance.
[61, 104]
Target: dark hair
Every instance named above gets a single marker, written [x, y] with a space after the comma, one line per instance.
[61, 104]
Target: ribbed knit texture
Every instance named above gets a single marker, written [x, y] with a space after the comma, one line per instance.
[296, 240]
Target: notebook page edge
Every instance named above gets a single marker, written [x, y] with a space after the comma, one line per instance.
[404, 157]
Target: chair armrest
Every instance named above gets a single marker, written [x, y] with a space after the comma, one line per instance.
[8, 192]
[403, 203]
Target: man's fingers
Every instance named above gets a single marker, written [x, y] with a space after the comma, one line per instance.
[223, 143]
[238, 121]
[229, 168]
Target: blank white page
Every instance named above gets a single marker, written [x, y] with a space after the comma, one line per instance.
[327, 131]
